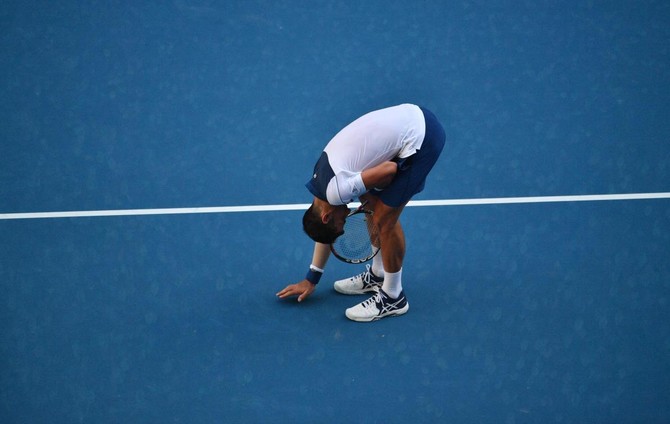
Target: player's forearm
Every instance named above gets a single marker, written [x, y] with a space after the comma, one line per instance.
[380, 176]
[321, 255]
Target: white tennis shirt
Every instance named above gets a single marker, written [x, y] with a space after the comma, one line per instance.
[374, 138]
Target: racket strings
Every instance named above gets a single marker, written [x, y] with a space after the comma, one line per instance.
[356, 242]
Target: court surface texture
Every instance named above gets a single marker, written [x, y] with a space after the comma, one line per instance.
[153, 158]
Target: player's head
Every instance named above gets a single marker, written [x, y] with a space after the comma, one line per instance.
[323, 226]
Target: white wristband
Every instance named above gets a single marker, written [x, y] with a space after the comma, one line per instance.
[315, 268]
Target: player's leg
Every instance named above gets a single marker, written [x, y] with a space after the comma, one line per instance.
[377, 266]
[390, 299]
[391, 235]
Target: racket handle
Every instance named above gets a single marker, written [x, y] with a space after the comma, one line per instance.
[358, 209]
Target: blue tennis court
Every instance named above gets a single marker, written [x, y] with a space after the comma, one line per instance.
[551, 309]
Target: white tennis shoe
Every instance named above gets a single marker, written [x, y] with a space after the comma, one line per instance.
[377, 307]
[364, 282]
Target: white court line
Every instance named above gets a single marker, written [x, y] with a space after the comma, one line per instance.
[303, 206]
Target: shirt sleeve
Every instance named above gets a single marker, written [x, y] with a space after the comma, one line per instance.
[343, 187]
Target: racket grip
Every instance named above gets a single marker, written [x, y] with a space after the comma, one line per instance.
[314, 274]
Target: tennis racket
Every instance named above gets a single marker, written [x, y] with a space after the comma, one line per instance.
[355, 245]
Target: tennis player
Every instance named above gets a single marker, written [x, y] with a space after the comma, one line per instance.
[383, 158]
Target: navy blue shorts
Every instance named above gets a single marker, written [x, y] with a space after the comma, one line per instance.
[412, 171]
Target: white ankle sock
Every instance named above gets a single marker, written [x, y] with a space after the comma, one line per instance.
[392, 283]
[377, 265]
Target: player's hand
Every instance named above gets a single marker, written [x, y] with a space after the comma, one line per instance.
[302, 289]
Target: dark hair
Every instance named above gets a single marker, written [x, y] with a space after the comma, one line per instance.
[316, 229]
